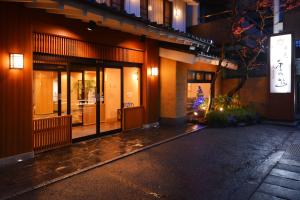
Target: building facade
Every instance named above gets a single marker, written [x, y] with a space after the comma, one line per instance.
[78, 69]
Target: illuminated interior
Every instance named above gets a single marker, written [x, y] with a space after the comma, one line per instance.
[50, 85]
[193, 92]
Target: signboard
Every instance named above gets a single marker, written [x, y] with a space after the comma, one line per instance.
[281, 63]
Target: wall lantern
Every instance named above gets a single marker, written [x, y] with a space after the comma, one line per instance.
[16, 61]
[154, 71]
[177, 12]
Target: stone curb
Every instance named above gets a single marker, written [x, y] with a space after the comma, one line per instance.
[69, 175]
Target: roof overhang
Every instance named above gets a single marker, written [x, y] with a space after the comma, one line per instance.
[192, 58]
[86, 12]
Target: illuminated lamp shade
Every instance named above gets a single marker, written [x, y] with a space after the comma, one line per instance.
[154, 71]
[16, 61]
[177, 12]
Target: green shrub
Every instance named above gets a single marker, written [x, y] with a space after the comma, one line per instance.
[231, 116]
[217, 119]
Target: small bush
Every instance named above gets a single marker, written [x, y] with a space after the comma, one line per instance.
[231, 117]
[217, 119]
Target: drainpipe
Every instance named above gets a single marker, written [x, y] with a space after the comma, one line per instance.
[277, 25]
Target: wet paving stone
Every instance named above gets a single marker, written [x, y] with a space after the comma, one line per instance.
[290, 162]
[60, 162]
[284, 182]
[288, 167]
[278, 191]
[285, 174]
[263, 196]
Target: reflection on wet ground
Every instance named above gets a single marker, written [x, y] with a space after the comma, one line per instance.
[57, 163]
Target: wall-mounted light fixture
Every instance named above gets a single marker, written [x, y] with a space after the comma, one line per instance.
[154, 71]
[16, 61]
[149, 8]
[177, 12]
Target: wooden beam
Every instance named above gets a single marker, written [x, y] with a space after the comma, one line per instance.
[43, 5]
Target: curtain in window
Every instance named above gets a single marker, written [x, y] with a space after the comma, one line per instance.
[133, 7]
[103, 1]
[156, 11]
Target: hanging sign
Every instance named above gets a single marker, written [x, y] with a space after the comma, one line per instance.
[281, 63]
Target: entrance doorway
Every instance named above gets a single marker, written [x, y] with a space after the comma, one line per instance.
[83, 103]
[199, 94]
[94, 96]
[110, 101]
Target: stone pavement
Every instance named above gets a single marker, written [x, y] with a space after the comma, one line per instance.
[283, 181]
[211, 164]
[51, 166]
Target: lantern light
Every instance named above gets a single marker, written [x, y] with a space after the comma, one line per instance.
[154, 71]
[177, 12]
[16, 61]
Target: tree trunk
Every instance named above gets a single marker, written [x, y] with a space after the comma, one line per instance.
[215, 77]
[238, 87]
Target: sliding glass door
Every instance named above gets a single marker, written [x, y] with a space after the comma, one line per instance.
[110, 101]
[94, 96]
[83, 103]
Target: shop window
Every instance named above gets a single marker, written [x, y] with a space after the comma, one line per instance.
[131, 86]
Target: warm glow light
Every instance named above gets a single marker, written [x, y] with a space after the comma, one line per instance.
[177, 12]
[154, 71]
[281, 63]
[195, 113]
[16, 61]
[150, 8]
[221, 109]
[135, 76]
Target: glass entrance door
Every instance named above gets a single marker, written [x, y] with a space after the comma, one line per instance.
[110, 100]
[83, 103]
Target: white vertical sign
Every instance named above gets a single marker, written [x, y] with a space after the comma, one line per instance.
[281, 63]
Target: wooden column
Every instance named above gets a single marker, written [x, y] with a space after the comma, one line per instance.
[15, 84]
[150, 84]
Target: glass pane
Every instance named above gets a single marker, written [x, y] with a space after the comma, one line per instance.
[77, 98]
[131, 86]
[112, 100]
[83, 103]
[45, 94]
[198, 98]
[64, 90]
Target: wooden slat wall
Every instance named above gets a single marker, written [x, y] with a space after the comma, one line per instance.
[15, 84]
[132, 118]
[56, 45]
[50, 133]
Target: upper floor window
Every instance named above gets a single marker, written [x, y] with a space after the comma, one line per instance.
[107, 2]
[168, 13]
[118, 4]
[144, 9]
